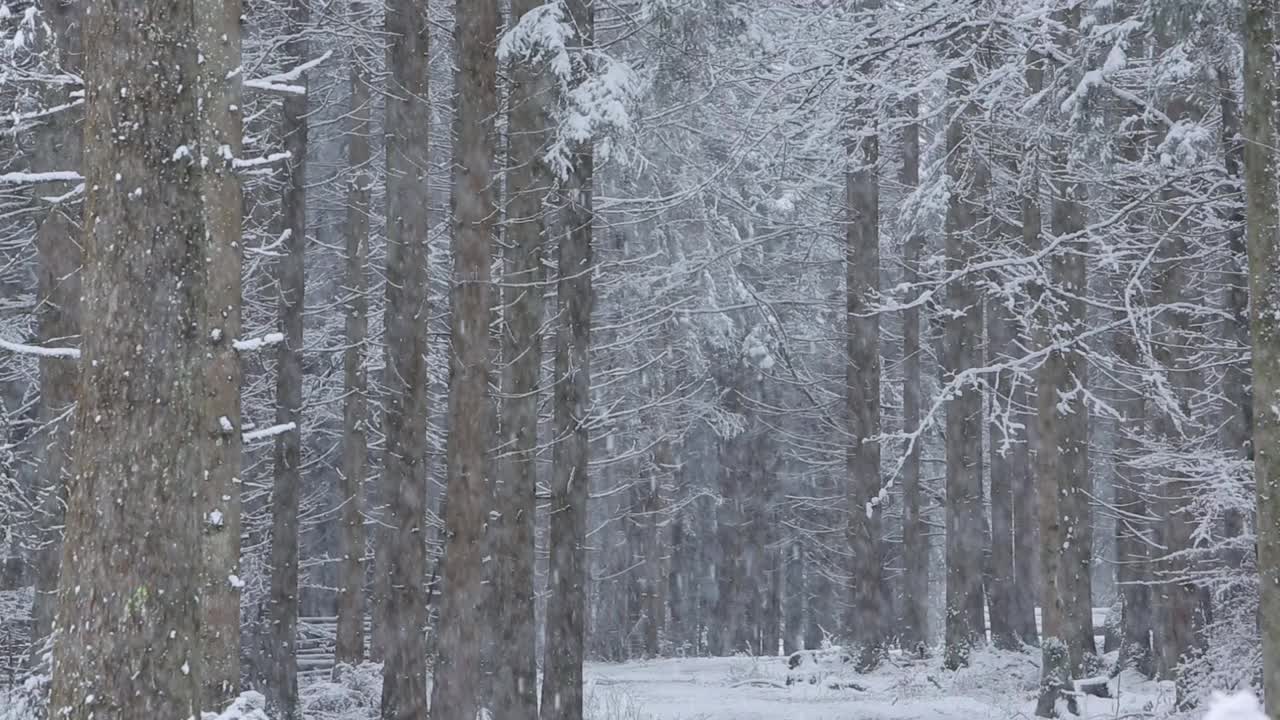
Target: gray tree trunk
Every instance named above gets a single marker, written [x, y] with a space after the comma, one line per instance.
[402, 550]
[1005, 473]
[528, 184]
[1264, 285]
[349, 643]
[965, 625]
[455, 692]
[862, 396]
[129, 601]
[566, 602]
[58, 146]
[282, 612]
[914, 630]
[218, 41]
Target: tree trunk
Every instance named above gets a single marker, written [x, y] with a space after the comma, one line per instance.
[282, 686]
[793, 598]
[218, 40]
[965, 626]
[1005, 442]
[129, 610]
[862, 396]
[528, 182]
[455, 692]
[1264, 285]
[915, 538]
[562, 662]
[59, 146]
[404, 475]
[349, 642]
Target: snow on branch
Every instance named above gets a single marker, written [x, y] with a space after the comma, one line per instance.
[268, 432]
[23, 349]
[258, 343]
[273, 158]
[282, 82]
[25, 178]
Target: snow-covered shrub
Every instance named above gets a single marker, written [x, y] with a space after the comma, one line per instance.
[249, 706]
[355, 694]
[1240, 706]
[26, 701]
[610, 703]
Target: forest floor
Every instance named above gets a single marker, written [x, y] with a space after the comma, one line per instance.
[997, 685]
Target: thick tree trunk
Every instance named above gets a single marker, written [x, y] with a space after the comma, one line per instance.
[1264, 285]
[282, 685]
[349, 643]
[129, 611]
[914, 629]
[58, 147]
[562, 662]
[528, 183]
[218, 41]
[1004, 448]
[403, 552]
[455, 692]
[862, 397]
[965, 625]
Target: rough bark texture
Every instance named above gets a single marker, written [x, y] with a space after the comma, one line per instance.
[1264, 284]
[1027, 569]
[456, 687]
[965, 625]
[914, 630]
[59, 144]
[1005, 472]
[862, 396]
[404, 475]
[218, 41]
[128, 614]
[349, 643]
[282, 686]
[566, 603]
[528, 183]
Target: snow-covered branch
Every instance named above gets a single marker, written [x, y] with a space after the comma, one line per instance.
[253, 344]
[268, 432]
[283, 82]
[24, 349]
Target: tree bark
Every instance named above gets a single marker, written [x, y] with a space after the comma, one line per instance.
[965, 625]
[349, 642]
[403, 552]
[862, 396]
[562, 661]
[1264, 284]
[129, 601]
[455, 692]
[914, 628]
[58, 146]
[218, 41]
[528, 182]
[282, 686]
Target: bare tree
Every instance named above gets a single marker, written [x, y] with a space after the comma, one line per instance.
[404, 474]
[129, 612]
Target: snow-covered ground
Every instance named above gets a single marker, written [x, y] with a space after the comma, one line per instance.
[998, 685]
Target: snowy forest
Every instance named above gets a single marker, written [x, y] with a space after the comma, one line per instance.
[639, 359]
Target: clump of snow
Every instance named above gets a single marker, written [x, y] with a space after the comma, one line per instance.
[1240, 706]
[249, 706]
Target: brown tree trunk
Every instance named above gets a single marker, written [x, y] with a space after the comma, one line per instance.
[58, 146]
[349, 642]
[402, 550]
[129, 609]
[455, 692]
[566, 601]
[218, 40]
[528, 181]
[282, 685]
[862, 396]
[914, 629]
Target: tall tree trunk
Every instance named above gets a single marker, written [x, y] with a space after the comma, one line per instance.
[862, 395]
[349, 642]
[562, 662]
[455, 692]
[59, 147]
[965, 625]
[1264, 284]
[793, 598]
[914, 628]
[528, 183]
[218, 40]
[1005, 473]
[129, 602]
[282, 686]
[403, 551]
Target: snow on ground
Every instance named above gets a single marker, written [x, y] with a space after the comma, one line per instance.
[998, 685]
